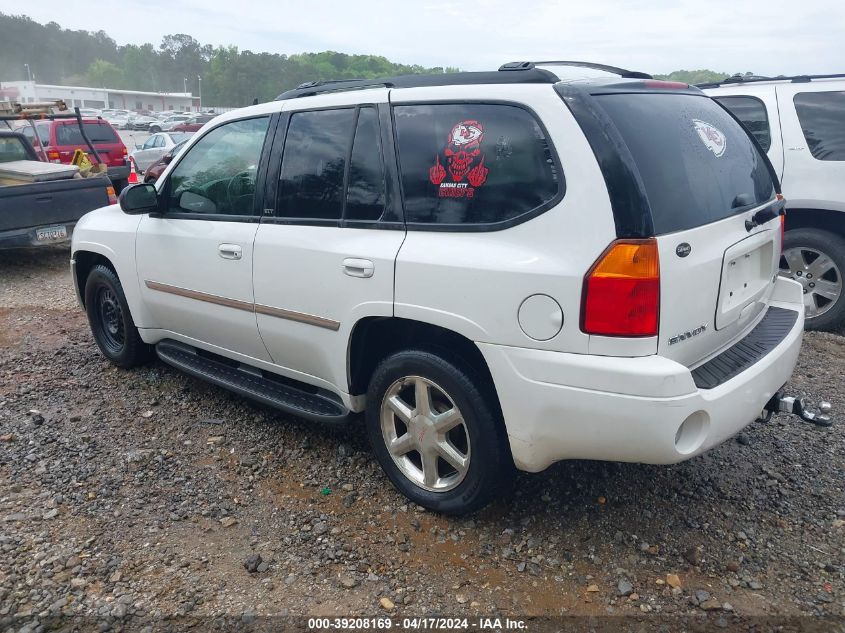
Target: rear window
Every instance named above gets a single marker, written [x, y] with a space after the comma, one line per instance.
[11, 149]
[822, 117]
[99, 133]
[697, 163]
[752, 113]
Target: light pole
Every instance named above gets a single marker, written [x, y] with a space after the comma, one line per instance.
[184, 84]
[199, 81]
[28, 72]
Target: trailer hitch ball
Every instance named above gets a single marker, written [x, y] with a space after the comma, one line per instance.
[780, 403]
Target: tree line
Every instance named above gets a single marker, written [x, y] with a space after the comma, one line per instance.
[230, 76]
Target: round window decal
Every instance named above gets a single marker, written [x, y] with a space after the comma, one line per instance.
[712, 137]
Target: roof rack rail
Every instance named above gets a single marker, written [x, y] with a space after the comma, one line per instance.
[615, 70]
[533, 75]
[743, 79]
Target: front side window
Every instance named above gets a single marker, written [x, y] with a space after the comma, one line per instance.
[217, 176]
[473, 164]
[752, 113]
[822, 118]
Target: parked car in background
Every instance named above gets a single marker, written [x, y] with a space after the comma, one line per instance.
[562, 270]
[194, 123]
[90, 113]
[155, 147]
[59, 139]
[118, 118]
[40, 203]
[140, 122]
[168, 123]
[152, 173]
[800, 123]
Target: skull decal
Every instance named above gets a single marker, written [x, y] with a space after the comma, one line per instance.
[463, 150]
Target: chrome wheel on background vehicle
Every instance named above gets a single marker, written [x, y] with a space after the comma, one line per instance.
[425, 434]
[817, 273]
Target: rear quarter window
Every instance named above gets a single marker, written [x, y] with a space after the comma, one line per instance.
[474, 165]
[822, 118]
[697, 164]
[752, 112]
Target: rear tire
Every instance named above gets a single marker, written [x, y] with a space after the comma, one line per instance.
[110, 320]
[437, 431]
[816, 259]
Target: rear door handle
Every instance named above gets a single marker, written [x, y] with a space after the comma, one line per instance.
[229, 251]
[355, 267]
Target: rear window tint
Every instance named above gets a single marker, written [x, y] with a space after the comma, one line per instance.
[473, 164]
[12, 149]
[69, 134]
[822, 117]
[752, 113]
[697, 163]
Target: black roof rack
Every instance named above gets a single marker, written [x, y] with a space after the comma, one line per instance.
[744, 79]
[531, 76]
[615, 70]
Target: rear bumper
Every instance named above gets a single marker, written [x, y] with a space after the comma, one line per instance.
[25, 238]
[573, 406]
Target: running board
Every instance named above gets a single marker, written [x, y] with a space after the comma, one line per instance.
[279, 393]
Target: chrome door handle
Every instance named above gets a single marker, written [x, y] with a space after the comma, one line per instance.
[355, 267]
[229, 251]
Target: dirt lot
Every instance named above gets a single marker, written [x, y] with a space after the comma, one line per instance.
[133, 496]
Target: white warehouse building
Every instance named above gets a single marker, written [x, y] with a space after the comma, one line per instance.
[100, 98]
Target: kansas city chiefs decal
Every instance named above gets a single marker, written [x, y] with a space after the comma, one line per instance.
[711, 136]
[464, 162]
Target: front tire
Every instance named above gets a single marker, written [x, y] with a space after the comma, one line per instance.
[110, 320]
[816, 259]
[437, 431]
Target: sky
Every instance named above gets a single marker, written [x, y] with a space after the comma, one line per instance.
[767, 37]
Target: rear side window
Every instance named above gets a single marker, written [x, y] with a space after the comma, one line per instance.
[99, 133]
[313, 164]
[822, 118]
[473, 164]
[752, 113]
[365, 191]
[696, 162]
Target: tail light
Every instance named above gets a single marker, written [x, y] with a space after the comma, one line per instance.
[622, 290]
[53, 157]
[782, 223]
[112, 195]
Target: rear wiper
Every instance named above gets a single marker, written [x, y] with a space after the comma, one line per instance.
[765, 215]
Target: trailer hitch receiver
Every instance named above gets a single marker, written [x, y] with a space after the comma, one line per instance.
[780, 403]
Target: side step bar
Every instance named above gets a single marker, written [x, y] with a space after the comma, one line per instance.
[280, 393]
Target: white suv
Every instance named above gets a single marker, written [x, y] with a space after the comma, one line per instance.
[800, 123]
[498, 269]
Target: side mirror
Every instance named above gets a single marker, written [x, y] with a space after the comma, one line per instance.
[139, 199]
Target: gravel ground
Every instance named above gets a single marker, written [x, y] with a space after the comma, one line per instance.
[132, 496]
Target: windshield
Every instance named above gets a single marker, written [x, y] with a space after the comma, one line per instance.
[697, 164]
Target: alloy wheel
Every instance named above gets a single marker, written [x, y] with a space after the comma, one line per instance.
[425, 434]
[817, 274]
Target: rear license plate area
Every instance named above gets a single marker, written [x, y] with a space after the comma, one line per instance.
[51, 233]
[747, 273]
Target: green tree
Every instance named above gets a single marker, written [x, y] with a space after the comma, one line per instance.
[103, 74]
